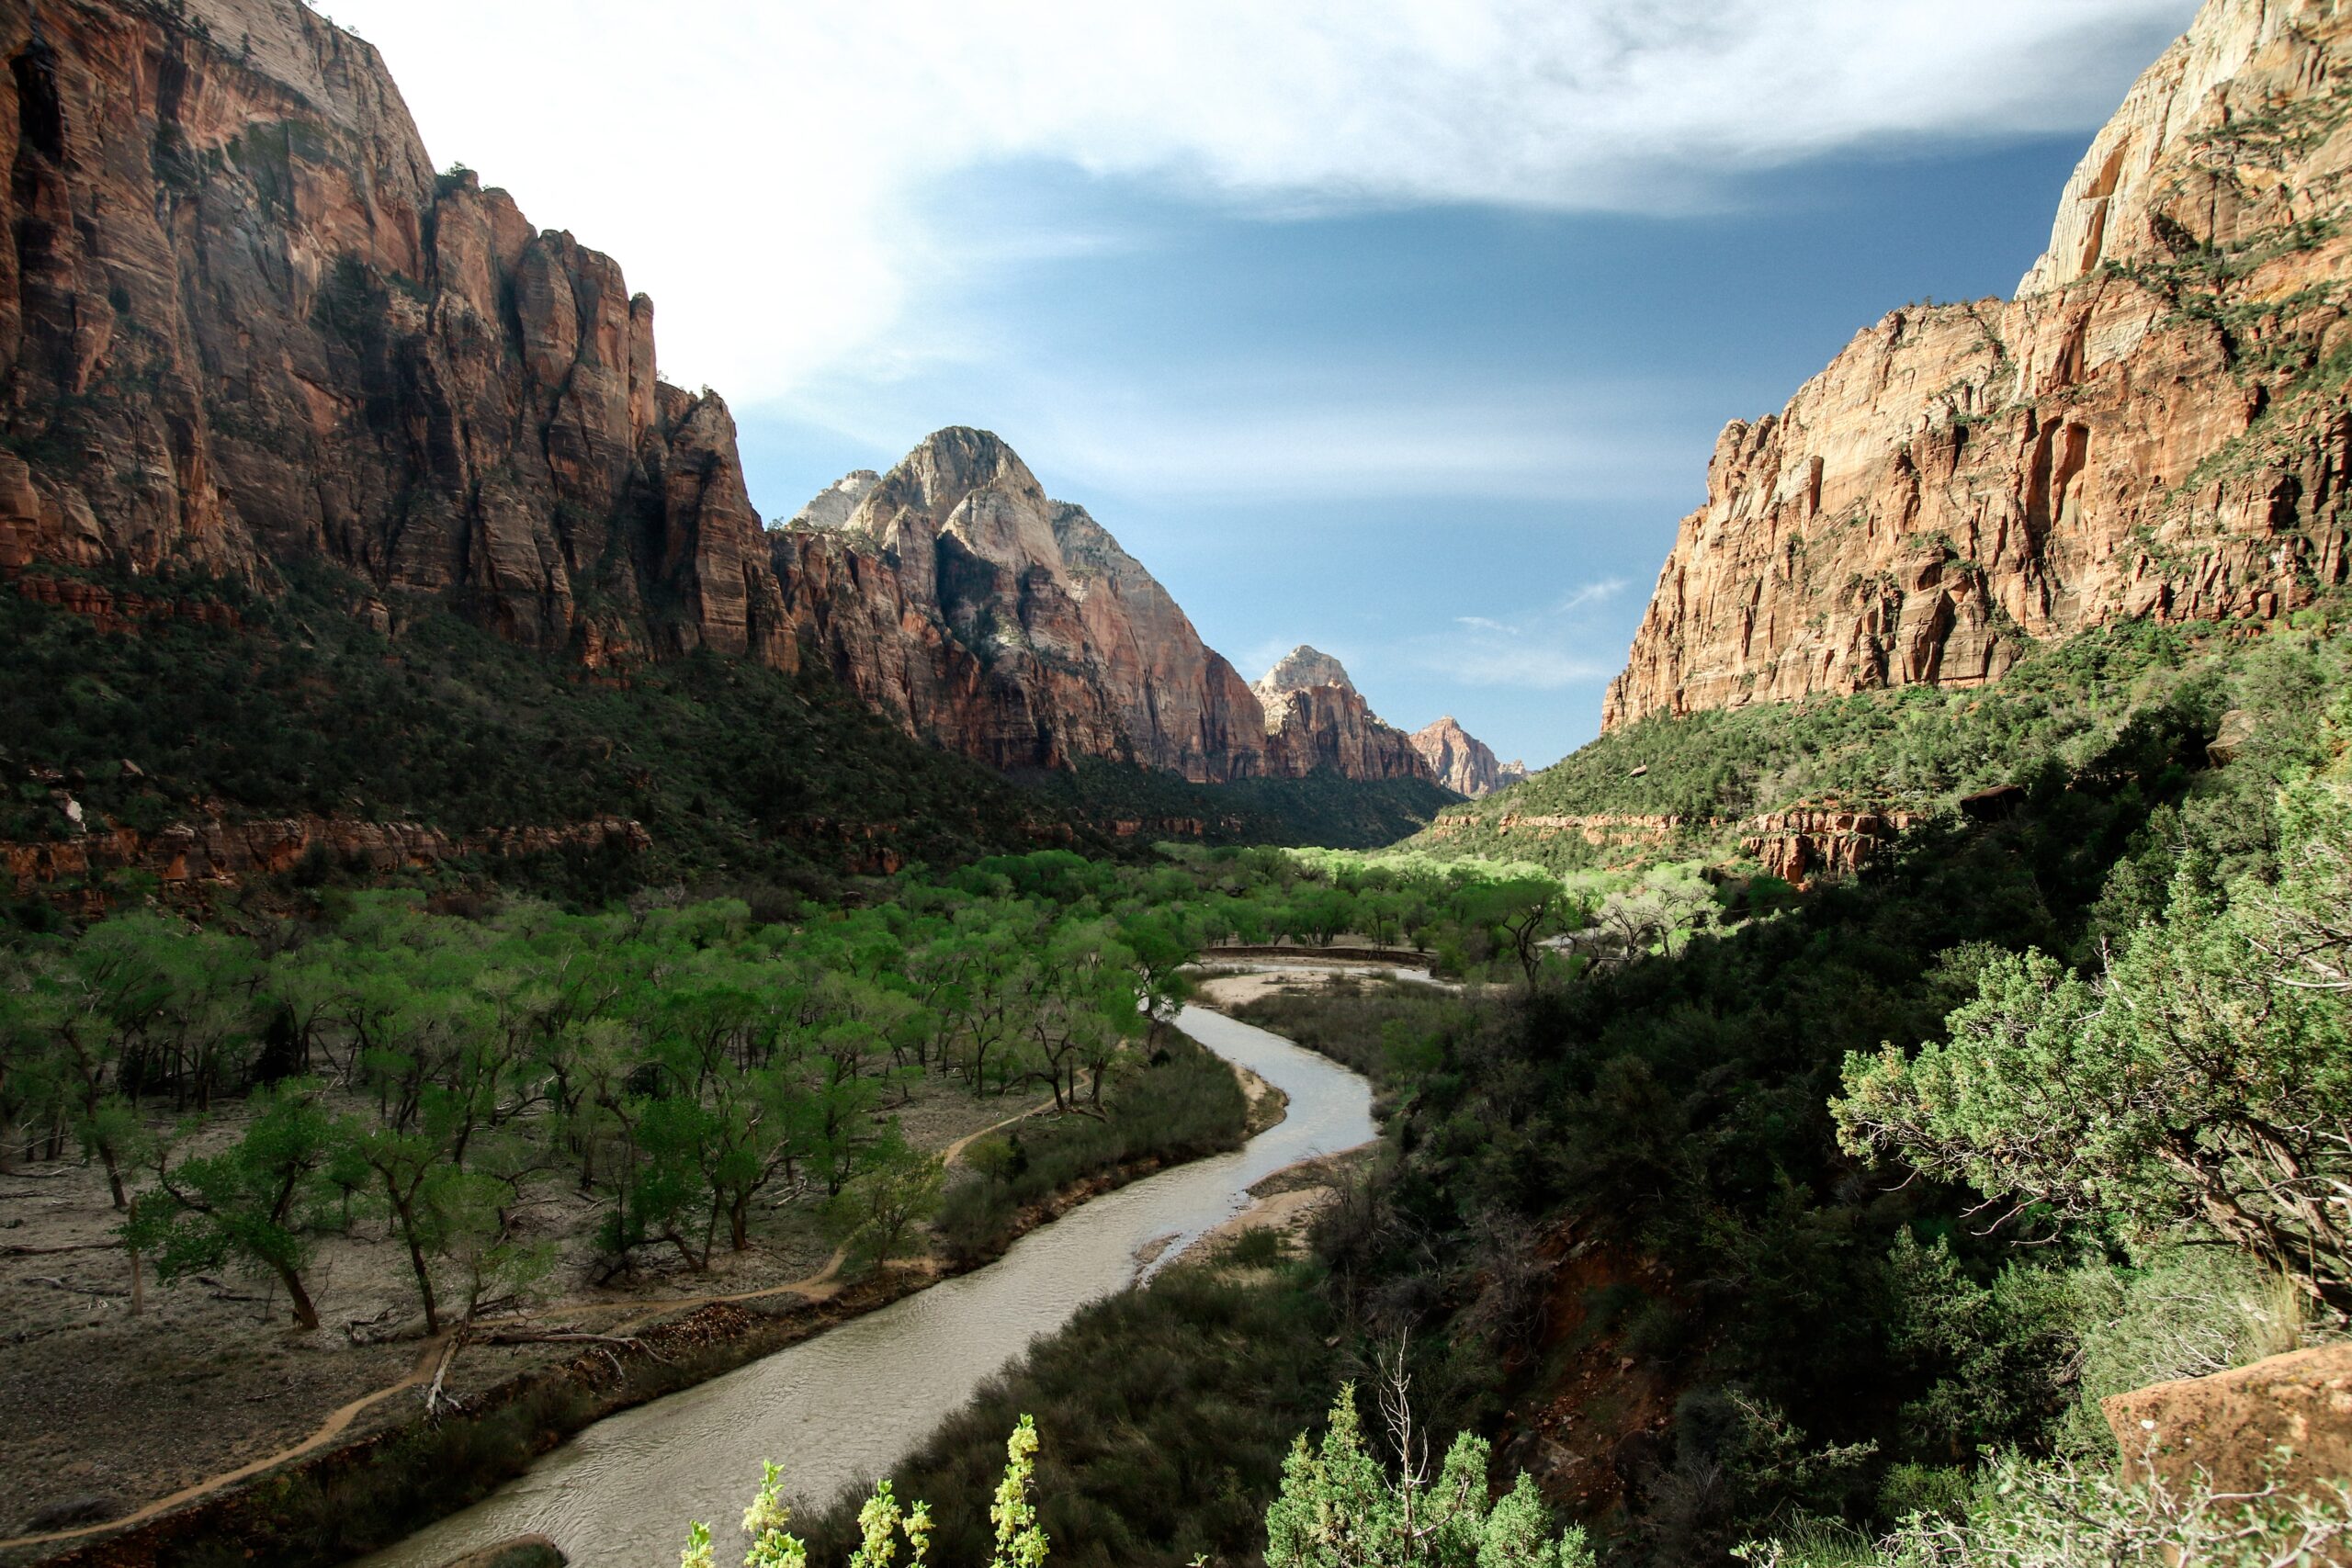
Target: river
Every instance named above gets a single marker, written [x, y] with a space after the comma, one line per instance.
[840, 1409]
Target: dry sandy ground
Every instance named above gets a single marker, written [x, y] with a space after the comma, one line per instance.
[109, 1411]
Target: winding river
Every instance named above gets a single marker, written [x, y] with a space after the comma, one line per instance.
[841, 1408]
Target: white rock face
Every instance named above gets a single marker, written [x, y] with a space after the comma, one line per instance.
[1302, 669]
[831, 507]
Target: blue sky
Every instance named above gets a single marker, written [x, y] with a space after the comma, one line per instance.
[1401, 327]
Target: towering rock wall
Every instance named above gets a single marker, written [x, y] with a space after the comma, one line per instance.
[243, 322]
[1462, 762]
[2158, 424]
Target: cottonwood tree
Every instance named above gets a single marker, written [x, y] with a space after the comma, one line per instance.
[247, 1203]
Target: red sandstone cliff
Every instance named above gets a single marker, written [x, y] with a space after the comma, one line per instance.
[1316, 719]
[1462, 762]
[2159, 423]
[1011, 627]
[243, 323]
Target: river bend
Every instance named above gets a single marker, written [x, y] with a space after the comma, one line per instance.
[837, 1410]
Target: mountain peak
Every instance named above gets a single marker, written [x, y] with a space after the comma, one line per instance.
[1302, 668]
[1462, 762]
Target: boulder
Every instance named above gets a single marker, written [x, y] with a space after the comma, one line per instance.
[2233, 1425]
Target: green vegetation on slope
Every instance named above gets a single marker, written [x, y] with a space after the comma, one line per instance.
[1322, 808]
[1919, 748]
[737, 772]
[1831, 1345]
[742, 777]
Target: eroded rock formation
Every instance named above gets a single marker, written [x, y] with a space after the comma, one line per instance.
[1011, 627]
[2158, 424]
[1462, 762]
[244, 324]
[1316, 719]
[242, 320]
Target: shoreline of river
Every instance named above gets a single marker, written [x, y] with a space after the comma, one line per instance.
[538, 1410]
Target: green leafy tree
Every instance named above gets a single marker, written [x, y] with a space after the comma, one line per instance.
[1338, 1507]
[247, 1203]
[2202, 1079]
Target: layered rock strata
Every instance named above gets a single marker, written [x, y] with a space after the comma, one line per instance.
[1462, 762]
[1317, 720]
[2157, 424]
[213, 851]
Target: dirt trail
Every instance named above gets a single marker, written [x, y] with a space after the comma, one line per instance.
[817, 1287]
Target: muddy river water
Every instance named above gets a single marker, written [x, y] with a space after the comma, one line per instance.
[840, 1409]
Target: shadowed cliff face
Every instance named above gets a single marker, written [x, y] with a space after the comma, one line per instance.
[242, 320]
[2159, 424]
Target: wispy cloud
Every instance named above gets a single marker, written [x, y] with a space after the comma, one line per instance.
[759, 166]
[1549, 649]
[1244, 431]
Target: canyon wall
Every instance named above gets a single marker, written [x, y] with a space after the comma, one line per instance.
[2159, 423]
[244, 324]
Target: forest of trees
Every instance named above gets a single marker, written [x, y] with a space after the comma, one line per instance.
[1900, 1180]
[372, 1060]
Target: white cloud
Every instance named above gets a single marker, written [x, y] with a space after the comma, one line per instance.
[758, 164]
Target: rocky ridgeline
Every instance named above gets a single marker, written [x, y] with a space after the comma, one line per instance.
[2157, 424]
[955, 595]
[244, 323]
[1314, 718]
[188, 859]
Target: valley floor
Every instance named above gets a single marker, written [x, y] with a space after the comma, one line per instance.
[109, 1411]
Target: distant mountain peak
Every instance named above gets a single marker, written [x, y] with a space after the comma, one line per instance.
[1462, 762]
[1300, 669]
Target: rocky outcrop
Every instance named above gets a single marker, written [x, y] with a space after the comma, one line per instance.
[1462, 762]
[2284, 1422]
[1806, 842]
[243, 322]
[831, 507]
[212, 851]
[2158, 424]
[1316, 720]
[956, 595]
